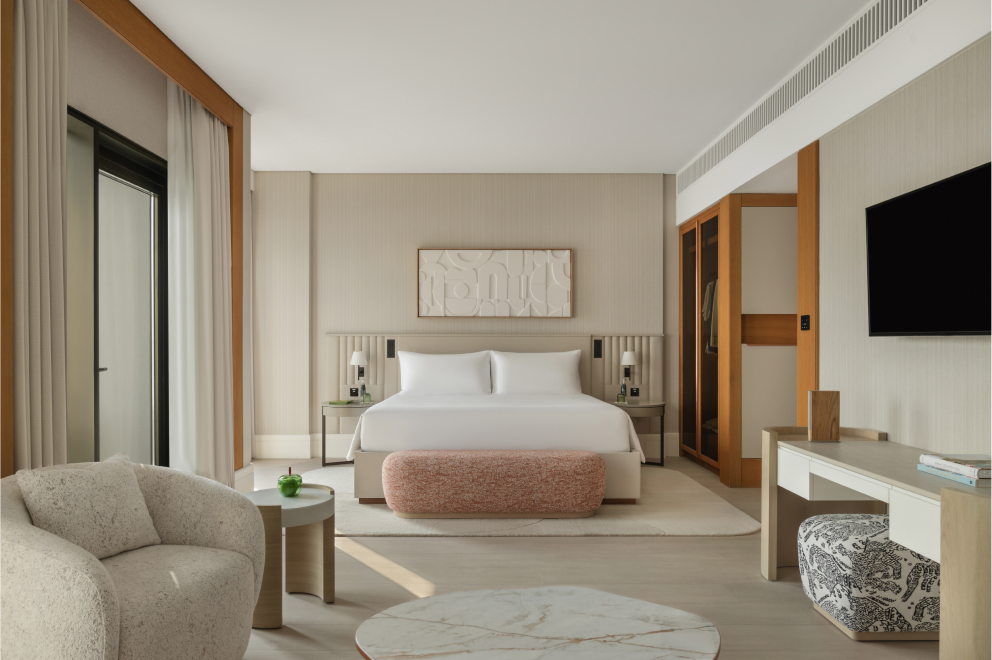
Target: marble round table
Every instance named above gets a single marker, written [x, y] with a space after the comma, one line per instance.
[546, 622]
[309, 522]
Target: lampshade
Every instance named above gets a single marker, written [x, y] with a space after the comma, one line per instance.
[629, 359]
[358, 359]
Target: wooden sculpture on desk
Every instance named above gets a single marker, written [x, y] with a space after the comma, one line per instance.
[824, 416]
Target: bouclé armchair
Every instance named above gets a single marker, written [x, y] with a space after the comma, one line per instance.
[190, 597]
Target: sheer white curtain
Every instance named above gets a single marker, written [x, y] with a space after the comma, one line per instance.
[39, 199]
[201, 385]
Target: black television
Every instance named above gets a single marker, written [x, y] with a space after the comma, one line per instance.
[930, 259]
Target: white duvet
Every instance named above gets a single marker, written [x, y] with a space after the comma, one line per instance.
[494, 421]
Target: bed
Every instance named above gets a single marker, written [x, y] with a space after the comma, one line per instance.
[488, 421]
[532, 401]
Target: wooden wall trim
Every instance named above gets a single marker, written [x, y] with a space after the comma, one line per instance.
[128, 23]
[729, 342]
[808, 341]
[6, 237]
[768, 199]
[768, 329]
[750, 473]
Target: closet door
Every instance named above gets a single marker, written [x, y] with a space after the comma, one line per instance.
[688, 319]
[708, 343]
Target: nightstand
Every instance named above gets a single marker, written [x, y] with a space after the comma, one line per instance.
[637, 408]
[329, 410]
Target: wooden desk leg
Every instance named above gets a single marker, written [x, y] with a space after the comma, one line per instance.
[268, 609]
[965, 560]
[310, 559]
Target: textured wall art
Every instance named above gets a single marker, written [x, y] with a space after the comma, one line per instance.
[522, 283]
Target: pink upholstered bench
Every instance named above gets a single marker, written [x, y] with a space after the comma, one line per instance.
[493, 484]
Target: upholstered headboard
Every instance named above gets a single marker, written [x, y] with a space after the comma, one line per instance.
[599, 365]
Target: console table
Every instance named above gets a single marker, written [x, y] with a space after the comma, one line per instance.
[863, 473]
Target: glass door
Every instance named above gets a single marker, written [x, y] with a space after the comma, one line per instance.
[687, 339]
[708, 342]
[126, 313]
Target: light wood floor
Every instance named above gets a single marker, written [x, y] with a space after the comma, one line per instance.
[716, 578]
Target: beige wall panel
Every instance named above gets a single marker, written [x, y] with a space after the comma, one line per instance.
[247, 345]
[367, 229]
[281, 337]
[929, 392]
[768, 393]
[110, 82]
[671, 339]
[769, 245]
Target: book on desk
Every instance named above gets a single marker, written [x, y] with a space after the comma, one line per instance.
[968, 469]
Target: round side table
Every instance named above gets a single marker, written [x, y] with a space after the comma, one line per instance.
[638, 408]
[332, 410]
[309, 522]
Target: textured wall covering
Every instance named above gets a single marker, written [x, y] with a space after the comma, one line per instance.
[367, 229]
[360, 253]
[929, 392]
[281, 242]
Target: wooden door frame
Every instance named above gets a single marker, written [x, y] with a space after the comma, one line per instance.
[808, 275]
[734, 470]
[128, 23]
[714, 212]
[729, 355]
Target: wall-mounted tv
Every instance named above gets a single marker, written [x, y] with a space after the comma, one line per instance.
[930, 259]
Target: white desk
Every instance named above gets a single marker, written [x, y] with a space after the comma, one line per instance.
[863, 473]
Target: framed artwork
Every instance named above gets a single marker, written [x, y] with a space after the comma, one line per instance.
[510, 283]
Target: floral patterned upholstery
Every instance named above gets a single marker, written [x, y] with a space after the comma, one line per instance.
[865, 581]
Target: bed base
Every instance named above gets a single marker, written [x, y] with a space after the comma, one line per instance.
[623, 477]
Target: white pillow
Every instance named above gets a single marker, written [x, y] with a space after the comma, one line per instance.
[98, 507]
[462, 373]
[536, 373]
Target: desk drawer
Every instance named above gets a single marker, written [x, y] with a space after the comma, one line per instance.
[793, 472]
[914, 522]
[852, 480]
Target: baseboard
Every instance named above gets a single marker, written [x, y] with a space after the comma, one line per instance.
[750, 473]
[282, 446]
[244, 479]
[338, 445]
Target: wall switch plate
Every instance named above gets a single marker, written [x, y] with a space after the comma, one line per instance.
[804, 322]
[353, 391]
[635, 391]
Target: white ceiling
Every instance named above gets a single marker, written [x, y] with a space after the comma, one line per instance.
[494, 85]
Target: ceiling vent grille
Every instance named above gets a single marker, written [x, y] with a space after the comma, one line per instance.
[871, 26]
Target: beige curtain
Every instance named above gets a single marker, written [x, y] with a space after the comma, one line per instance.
[39, 198]
[201, 381]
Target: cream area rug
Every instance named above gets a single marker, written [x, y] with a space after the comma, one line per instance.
[671, 504]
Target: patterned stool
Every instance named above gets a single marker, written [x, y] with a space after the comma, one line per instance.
[868, 586]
